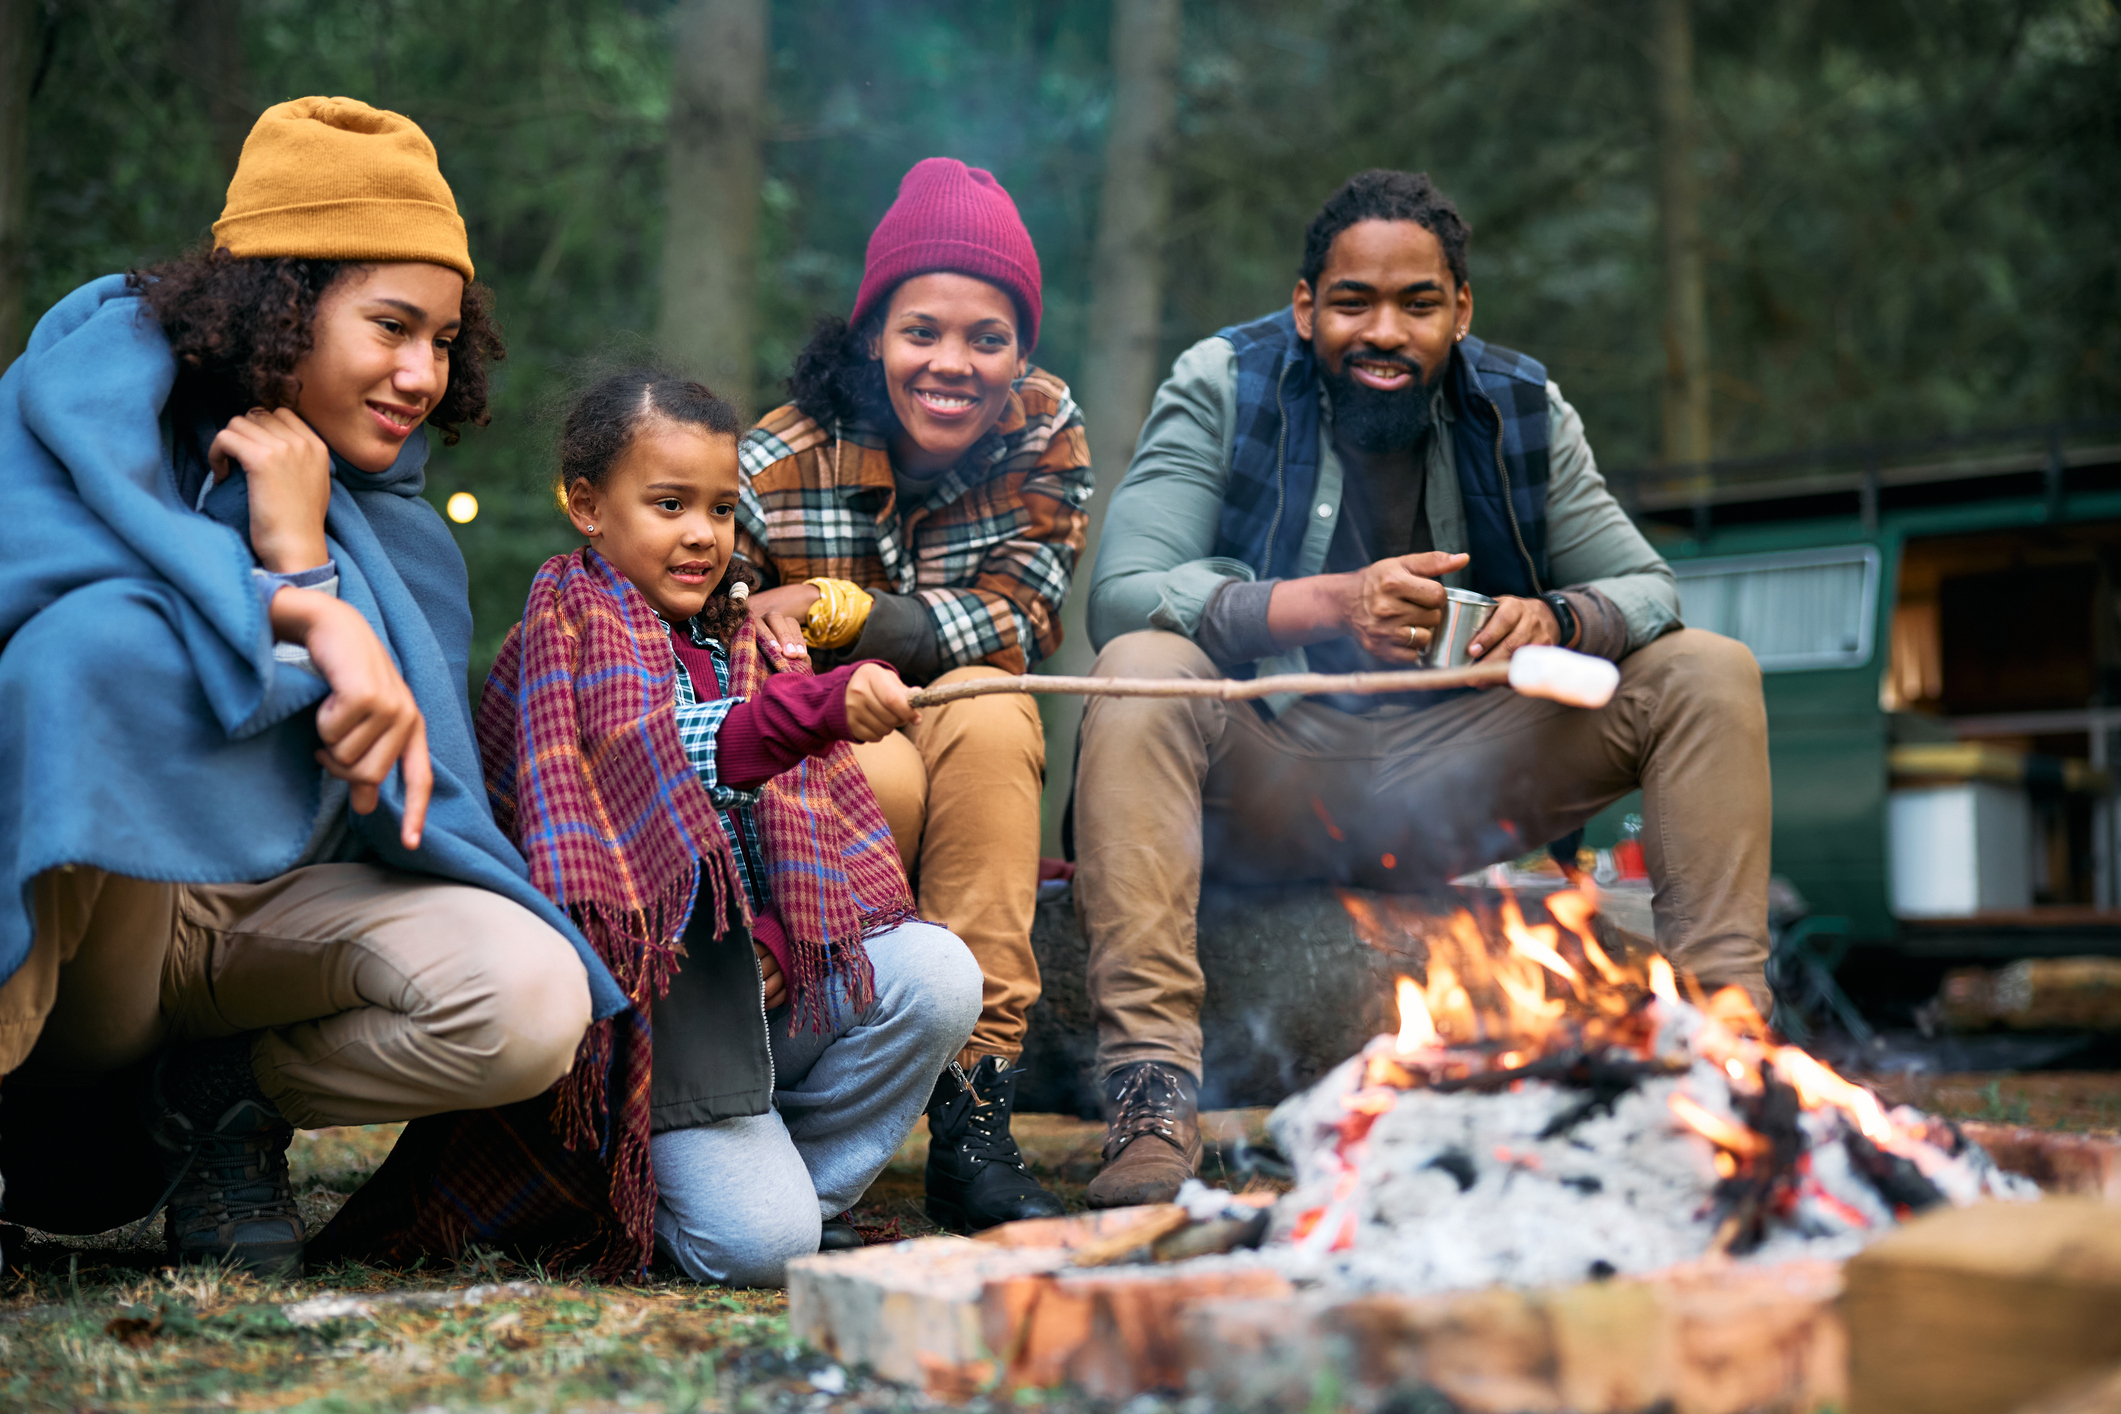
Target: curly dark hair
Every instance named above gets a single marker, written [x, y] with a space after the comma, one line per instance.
[1382, 194]
[239, 326]
[836, 379]
[602, 422]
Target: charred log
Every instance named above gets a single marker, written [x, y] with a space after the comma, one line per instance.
[1897, 1180]
[1767, 1183]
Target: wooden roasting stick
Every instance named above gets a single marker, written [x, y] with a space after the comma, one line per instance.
[1552, 673]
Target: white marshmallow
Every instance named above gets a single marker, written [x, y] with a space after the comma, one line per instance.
[1559, 675]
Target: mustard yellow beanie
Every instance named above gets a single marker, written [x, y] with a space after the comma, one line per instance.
[334, 179]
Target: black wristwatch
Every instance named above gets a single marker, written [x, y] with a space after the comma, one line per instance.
[1564, 616]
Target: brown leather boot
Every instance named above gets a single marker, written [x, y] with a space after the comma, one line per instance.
[1152, 1136]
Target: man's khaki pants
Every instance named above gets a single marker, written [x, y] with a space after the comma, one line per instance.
[1403, 799]
[377, 995]
[960, 789]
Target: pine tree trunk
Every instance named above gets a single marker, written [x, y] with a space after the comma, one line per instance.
[1686, 325]
[18, 29]
[711, 205]
[1126, 311]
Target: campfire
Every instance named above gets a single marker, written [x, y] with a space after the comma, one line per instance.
[1549, 1112]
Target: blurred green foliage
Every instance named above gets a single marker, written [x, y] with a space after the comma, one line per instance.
[1908, 207]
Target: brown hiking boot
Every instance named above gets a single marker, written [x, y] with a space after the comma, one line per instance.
[1152, 1136]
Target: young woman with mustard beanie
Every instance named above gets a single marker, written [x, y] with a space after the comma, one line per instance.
[920, 501]
[249, 879]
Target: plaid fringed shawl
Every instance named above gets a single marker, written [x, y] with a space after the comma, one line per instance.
[586, 774]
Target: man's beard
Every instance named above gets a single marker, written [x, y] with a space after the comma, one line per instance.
[1373, 420]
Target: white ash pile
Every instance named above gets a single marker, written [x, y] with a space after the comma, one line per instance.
[1547, 1115]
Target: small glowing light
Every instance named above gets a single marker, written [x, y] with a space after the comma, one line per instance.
[1390, 861]
[463, 507]
[1725, 1164]
[1736, 1071]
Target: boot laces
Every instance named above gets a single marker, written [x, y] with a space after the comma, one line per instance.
[232, 1178]
[985, 1136]
[1148, 1104]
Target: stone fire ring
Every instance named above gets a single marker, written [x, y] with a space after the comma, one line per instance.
[959, 1317]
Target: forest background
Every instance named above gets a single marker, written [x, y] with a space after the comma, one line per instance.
[1728, 228]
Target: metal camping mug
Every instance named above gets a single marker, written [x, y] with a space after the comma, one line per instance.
[1464, 615]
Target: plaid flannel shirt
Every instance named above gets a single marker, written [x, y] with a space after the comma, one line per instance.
[699, 724]
[988, 550]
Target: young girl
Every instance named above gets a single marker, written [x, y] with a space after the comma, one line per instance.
[801, 1021]
[693, 806]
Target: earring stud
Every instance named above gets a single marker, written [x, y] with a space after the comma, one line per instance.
[592, 529]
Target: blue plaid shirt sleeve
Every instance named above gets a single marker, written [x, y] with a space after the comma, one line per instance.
[699, 723]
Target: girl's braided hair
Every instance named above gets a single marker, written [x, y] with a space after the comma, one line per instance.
[601, 424]
[239, 327]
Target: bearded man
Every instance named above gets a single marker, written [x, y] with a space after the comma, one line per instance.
[1305, 489]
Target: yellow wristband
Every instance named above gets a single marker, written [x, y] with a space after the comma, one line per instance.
[836, 619]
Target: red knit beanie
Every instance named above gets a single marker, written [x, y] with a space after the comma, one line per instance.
[952, 217]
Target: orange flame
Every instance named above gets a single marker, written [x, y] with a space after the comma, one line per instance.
[1817, 1086]
[1735, 1010]
[1416, 1027]
[1724, 1133]
[1661, 981]
[1538, 945]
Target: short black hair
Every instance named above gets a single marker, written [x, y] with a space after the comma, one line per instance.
[601, 424]
[1382, 194]
[604, 418]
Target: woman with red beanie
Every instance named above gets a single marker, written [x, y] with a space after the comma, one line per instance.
[920, 501]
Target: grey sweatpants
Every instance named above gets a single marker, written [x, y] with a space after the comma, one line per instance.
[741, 1197]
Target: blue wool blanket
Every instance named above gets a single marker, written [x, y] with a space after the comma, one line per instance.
[145, 726]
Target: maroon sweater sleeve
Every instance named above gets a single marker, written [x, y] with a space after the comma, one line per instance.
[789, 718]
[792, 716]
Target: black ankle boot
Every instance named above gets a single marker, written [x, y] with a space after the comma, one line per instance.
[976, 1174]
[224, 1156]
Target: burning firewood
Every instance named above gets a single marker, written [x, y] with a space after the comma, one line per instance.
[1547, 1112]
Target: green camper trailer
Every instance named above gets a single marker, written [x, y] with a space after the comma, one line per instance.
[1939, 629]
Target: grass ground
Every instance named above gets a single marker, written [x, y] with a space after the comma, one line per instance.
[2076, 1100]
[95, 1323]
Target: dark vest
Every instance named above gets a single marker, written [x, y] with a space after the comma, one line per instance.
[1499, 435]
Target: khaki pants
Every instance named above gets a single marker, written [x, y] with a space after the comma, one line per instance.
[377, 995]
[960, 789]
[1169, 788]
